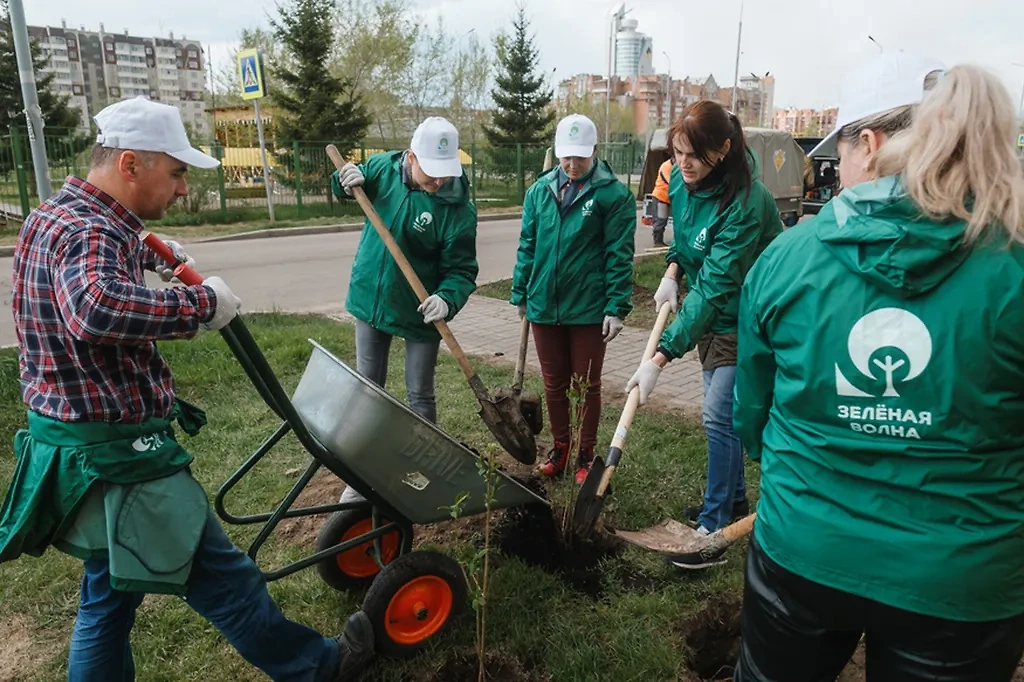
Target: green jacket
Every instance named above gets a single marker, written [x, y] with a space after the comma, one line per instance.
[437, 234]
[879, 383]
[715, 250]
[576, 268]
[119, 491]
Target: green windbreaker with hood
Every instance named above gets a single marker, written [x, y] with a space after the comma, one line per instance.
[881, 385]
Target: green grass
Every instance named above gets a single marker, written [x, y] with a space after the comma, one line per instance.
[647, 274]
[629, 633]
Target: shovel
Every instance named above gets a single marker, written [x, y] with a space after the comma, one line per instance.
[678, 540]
[501, 416]
[590, 501]
[529, 401]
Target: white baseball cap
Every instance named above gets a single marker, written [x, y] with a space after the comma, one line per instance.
[576, 135]
[889, 81]
[146, 126]
[436, 146]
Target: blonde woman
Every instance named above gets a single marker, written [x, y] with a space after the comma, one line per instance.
[881, 386]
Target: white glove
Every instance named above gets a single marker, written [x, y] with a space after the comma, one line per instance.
[612, 327]
[228, 304]
[166, 271]
[351, 177]
[646, 377]
[433, 309]
[668, 290]
[522, 310]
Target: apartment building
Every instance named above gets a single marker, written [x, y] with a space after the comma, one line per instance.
[809, 122]
[96, 68]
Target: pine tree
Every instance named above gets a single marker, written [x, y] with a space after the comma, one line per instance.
[59, 116]
[523, 104]
[313, 104]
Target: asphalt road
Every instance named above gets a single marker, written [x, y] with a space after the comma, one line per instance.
[304, 274]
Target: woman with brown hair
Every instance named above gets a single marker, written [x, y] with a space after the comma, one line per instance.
[723, 218]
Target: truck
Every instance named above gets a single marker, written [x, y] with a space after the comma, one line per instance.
[779, 157]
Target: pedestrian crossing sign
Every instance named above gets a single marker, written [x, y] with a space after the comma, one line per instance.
[250, 72]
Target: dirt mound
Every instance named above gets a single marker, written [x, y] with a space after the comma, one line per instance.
[323, 488]
[532, 534]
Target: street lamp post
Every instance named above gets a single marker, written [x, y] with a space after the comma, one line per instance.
[736, 72]
[668, 88]
[877, 44]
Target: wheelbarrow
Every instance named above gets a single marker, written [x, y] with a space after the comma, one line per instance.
[408, 470]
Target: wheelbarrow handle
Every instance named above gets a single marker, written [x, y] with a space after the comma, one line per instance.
[403, 263]
[183, 272]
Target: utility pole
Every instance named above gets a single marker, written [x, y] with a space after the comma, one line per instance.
[736, 73]
[33, 114]
[1020, 107]
[877, 44]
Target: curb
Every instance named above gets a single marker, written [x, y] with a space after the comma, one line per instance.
[324, 229]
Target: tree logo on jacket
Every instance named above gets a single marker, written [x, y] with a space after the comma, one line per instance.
[702, 239]
[588, 208]
[421, 223]
[890, 346]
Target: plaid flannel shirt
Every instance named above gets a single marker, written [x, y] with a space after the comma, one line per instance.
[87, 324]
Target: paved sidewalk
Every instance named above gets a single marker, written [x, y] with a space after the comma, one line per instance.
[488, 326]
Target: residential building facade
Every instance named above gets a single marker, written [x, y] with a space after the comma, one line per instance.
[97, 68]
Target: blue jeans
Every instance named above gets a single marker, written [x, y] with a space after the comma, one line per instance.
[372, 348]
[726, 481]
[227, 589]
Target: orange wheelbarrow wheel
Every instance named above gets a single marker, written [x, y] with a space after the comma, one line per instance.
[413, 601]
[355, 568]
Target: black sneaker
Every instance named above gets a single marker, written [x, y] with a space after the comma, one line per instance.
[694, 561]
[739, 510]
[355, 647]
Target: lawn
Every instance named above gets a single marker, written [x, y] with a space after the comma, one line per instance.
[647, 274]
[628, 617]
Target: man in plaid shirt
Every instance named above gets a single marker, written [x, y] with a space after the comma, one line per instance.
[87, 328]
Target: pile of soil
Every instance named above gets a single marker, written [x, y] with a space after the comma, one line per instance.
[533, 534]
[462, 665]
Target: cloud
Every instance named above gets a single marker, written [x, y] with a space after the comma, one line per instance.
[806, 45]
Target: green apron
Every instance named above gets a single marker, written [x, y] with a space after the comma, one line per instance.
[117, 491]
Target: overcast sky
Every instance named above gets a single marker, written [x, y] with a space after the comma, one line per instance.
[806, 44]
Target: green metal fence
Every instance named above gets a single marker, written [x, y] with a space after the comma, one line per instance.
[299, 176]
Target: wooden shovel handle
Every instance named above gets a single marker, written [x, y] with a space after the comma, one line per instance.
[735, 531]
[524, 340]
[403, 263]
[633, 401]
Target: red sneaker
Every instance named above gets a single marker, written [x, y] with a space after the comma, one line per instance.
[558, 457]
[583, 464]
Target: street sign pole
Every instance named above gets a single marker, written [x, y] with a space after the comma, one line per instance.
[29, 94]
[250, 72]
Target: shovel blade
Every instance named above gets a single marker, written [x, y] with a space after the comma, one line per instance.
[669, 537]
[508, 427]
[589, 505]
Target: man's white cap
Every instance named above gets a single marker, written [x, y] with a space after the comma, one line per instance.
[576, 135]
[436, 146]
[146, 126]
[889, 81]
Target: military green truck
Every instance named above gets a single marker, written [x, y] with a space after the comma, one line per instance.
[780, 158]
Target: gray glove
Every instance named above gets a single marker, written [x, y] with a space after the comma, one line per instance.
[350, 177]
[646, 377]
[166, 271]
[228, 304]
[611, 328]
[433, 309]
[668, 290]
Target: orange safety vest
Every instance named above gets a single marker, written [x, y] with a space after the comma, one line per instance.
[661, 184]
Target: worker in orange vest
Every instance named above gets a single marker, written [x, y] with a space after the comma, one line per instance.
[661, 203]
